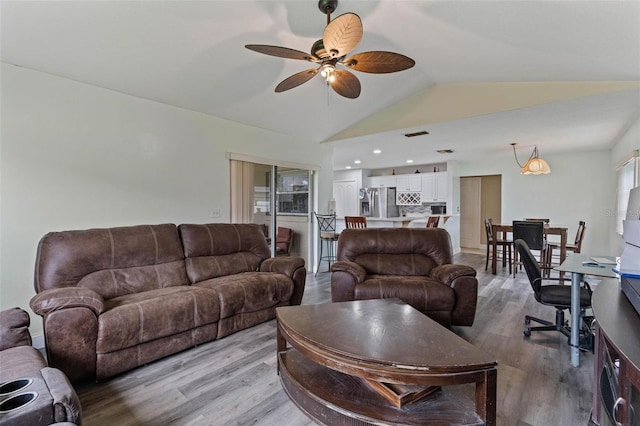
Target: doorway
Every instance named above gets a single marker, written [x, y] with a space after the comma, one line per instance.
[274, 196]
[345, 193]
[480, 198]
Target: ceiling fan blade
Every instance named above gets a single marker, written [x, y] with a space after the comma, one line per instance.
[378, 62]
[346, 84]
[296, 80]
[342, 35]
[281, 52]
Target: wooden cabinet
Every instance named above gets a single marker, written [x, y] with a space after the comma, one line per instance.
[409, 183]
[382, 181]
[435, 186]
[616, 390]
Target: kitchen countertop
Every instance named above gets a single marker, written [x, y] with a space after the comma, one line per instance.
[407, 218]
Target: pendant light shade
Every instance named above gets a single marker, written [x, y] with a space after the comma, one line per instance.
[534, 165]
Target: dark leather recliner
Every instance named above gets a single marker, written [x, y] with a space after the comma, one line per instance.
[412, 264]
[31, 393]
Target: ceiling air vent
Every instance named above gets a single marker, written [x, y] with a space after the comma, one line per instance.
[445, 151]
[420, 133]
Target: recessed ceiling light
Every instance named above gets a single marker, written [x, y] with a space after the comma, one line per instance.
[409, 161]
[348, 167]
[376, 151]
[357, 161]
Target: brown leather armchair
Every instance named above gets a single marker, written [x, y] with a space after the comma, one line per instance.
[411, 264]
[31, 393]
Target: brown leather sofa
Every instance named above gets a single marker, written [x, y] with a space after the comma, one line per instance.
[412, 264]
[116, 298]
[31, 393]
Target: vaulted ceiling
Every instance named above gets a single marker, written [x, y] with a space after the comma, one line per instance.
[562, 75]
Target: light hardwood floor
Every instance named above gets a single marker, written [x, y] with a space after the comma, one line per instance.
[233, 381]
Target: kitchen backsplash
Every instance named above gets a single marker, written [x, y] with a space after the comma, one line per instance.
[425, 208]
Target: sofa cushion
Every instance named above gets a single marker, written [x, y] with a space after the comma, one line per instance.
[111, 283]
[14, 323]
[19, 362]
[423, 293]
[391, 247]
[395, 264]
[220, 249]
[111, 261]
[142, 317]
[249, 291]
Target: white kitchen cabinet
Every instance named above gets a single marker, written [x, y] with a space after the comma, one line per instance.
[382, 181]
[409, 183]
[435, 186]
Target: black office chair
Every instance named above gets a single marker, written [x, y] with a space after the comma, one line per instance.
[531, 232]
[558, 296]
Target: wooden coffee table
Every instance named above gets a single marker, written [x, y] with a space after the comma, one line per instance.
[382, 362]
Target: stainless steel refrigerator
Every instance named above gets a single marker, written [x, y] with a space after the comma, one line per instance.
[378, 202]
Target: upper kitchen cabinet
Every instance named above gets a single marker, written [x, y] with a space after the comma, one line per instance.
[409, 183]
[382, 181]
[435, 186]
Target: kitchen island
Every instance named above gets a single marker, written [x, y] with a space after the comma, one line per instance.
[398, 222]
[450, 222]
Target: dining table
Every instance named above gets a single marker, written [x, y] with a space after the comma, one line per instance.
[504, 229]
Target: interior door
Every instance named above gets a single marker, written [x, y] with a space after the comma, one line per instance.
[470, 212]
[346, 196]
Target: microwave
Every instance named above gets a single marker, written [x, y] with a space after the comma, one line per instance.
[439, 209]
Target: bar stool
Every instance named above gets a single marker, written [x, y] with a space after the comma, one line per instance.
[328, 238]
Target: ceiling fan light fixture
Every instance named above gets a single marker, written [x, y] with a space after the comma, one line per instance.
[339, 38]
[327, 71]
[534, 165]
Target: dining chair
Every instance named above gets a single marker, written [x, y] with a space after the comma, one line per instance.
[355, 222]
[284, 240]
[558, 296]
[576, 247]
[327, 237]
[531, 232]
[504, 245]
[433, 221]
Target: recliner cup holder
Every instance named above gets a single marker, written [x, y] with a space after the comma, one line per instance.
[17, 401]
[13, 386]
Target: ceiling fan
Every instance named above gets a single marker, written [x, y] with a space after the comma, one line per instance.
[340, 37]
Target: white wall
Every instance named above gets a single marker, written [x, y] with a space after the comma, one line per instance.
[629, 141]
[75, 156]
[580, 187]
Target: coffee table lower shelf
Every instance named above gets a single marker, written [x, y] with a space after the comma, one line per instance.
[333, 398]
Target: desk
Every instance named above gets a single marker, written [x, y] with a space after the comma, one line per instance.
[574, 265]
[549, 230]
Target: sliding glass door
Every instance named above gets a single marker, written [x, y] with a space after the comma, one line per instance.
[275, 197]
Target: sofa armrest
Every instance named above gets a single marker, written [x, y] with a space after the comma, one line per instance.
[67, 297]
[293, 267]
[282, 265]
[462, 279]
[14, 328]
[345, 276]
[449, 272]
[66, 405]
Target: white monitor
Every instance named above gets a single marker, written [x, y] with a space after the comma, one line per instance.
[633, 207]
